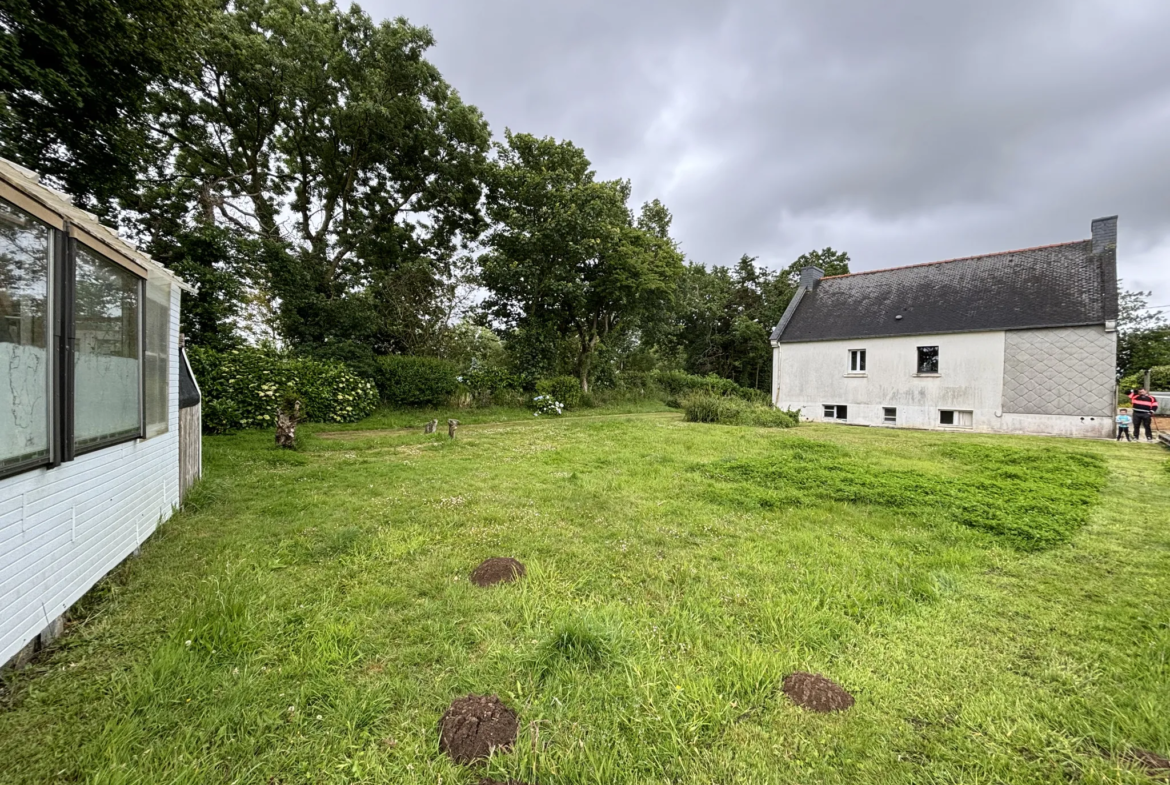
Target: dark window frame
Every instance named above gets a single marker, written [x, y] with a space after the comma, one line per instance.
[61, 345]
[927, 360]
[44, 461]
[889, 414]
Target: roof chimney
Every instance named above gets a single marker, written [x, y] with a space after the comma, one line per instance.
[810, 275]
[1104, 234]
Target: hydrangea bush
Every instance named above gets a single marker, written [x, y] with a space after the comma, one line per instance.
[545, 404]
[243, 388]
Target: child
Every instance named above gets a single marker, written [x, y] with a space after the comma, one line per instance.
[1123, 421]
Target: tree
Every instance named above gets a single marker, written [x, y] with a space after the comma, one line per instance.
[830, 261]
[1143, 334]
[320, 130]
[75, 82]
[565, 257]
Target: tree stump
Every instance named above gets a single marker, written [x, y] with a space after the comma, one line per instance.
[451, 426]
[286, 425]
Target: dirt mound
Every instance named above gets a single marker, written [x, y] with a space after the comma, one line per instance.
[498, 569]
[474, 726]
[814, 692]
[1152, 763]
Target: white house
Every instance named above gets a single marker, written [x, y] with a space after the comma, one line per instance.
[89, 404]
[1014, 342]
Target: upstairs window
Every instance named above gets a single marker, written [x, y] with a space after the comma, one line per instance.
[857, 361]
[25, 378]
[927, 359]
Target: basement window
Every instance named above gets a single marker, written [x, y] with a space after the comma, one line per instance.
[927, 359]
[857, 361]
[955, 418]
[889, 415]
[835, 411]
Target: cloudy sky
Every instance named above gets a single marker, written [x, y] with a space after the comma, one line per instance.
[901, 131]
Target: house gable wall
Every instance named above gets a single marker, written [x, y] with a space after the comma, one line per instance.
[1063, 371]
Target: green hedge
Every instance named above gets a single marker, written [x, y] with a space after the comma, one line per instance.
[243, 388]
[727, 410]
[416, 381]
[1159, 379]
[679, 384]
[565, 389]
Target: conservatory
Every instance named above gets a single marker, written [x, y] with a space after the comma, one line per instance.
[90, 366]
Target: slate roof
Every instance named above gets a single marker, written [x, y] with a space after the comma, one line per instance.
[1050, 286]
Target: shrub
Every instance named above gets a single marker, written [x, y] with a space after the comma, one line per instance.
[1159, 380]
[704, 407]
[484, 382]
[679, 384]
[565, 389]
[242, 388]
[416, 381]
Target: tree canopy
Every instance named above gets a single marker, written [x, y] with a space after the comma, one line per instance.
[565, 255]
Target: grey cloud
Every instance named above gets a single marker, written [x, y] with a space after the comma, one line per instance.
[900, 131]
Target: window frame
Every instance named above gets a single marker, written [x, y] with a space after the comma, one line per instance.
[918, 361]
[889, 415]
[838, 410]
[140, 343]
[51, 315]
[956, 417]
[61, 340]
[857, 364]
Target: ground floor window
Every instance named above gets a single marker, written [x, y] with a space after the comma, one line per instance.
[836, 411]
[955, 418]
[889, 415]
[107, 379]
[25, 376]
[83, 360]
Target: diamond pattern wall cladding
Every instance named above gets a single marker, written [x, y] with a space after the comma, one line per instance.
[1063, 370]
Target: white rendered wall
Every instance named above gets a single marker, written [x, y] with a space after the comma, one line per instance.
[63, 529]
[971, 375]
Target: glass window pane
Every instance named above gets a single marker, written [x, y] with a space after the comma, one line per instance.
[107, 387]
[156, 343]
[24, 344]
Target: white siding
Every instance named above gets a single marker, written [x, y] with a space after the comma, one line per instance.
[63, 529]
[971, 378]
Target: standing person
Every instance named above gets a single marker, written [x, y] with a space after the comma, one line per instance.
[1144, 405]
[1123, 420]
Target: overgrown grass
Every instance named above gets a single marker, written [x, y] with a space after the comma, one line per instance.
[308, 617]
[1035, 497]
[726, 410]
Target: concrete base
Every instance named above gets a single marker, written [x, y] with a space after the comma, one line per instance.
[39, 643]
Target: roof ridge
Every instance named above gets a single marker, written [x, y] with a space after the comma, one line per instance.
[956, 259]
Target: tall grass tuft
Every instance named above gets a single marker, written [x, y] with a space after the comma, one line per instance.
[735, 411]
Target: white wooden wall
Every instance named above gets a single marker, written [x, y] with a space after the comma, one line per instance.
[63, 529]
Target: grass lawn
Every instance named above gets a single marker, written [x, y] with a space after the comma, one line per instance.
[999, 607]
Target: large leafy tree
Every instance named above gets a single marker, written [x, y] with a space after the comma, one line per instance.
[565, 256]
[1143, 334]
[332, 137]
[76, 77]
[722, 316]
